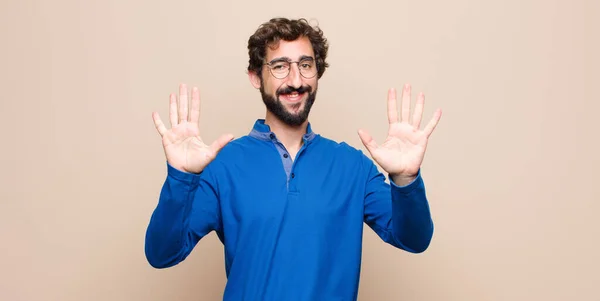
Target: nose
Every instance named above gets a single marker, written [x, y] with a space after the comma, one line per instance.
[294, 78]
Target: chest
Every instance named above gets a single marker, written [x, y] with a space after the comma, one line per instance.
[309, 188]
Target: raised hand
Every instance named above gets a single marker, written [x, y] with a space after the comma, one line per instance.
[402, 152]
[182, 144]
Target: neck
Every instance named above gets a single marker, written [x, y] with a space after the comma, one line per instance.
[290, 136]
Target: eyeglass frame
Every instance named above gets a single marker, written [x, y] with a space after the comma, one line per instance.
[290, 62]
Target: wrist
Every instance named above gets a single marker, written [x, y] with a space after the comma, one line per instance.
[402, 180]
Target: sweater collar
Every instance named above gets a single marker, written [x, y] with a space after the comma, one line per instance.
[262, 131]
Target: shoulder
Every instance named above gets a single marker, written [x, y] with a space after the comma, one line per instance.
[340, 148]
[237, 148]
[235, 153]
[239, 144]
[350, 158]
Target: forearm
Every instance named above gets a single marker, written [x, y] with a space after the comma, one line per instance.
[412, 225]
[168, 240]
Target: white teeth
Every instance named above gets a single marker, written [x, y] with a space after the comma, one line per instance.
[292, 96]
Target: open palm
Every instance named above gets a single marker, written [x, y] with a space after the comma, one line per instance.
[402, 152]
[183, 146]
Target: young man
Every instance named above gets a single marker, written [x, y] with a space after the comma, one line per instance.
[288, 204]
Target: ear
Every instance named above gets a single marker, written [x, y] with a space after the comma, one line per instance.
[254, 79]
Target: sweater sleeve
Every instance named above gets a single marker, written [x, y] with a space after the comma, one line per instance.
[187, 210]
[400, 215]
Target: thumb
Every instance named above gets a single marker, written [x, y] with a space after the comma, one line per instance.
[367, 141]
[216, 146]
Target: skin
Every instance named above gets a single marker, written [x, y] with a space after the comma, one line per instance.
[290, 136]
[401, 154]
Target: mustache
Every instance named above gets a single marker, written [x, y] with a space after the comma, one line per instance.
[299, 90]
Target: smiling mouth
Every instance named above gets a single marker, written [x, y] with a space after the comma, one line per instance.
[292, 97]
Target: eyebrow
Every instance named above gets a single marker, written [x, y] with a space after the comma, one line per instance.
[287, 59]
[307, 57]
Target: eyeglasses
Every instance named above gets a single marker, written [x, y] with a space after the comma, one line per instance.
[281, 68]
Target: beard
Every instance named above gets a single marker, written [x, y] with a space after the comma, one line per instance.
[277, 108]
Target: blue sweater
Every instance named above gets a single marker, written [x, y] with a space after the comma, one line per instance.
[291, 229]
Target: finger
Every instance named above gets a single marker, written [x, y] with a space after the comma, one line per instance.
[392, 110]
[405, 103]
[183, 103]
[216, 146]
[418, 113]
[433, 122]
[195, 106]
[160, 127]
[367, 141]
[173, 110]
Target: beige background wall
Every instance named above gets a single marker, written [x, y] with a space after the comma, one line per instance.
[511, 171]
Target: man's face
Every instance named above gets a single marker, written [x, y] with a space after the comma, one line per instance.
[290, 98]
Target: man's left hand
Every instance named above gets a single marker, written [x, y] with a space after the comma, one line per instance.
[402, 152]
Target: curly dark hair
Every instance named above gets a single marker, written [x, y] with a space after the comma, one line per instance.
[276, 29]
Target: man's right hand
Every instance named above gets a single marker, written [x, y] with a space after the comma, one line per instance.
[182, 144]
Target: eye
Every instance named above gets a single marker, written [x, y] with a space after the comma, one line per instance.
[279, 66]
[306, 65]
